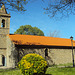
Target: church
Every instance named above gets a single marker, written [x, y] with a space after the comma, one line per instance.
[14, 46]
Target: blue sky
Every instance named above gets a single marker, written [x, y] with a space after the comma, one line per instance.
[35, 16]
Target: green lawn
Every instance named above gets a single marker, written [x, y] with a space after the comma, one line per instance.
[60, 65]
[60, 71]
[10, 72]
[50, 71]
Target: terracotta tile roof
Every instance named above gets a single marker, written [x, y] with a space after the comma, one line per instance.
[39, 40]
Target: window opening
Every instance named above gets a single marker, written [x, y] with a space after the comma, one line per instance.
[3, 23]
[46, 52]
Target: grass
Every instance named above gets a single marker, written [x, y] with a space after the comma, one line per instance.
[68, 64]
[61, 71]
[50, 71]
[61, 65]
[10, 72]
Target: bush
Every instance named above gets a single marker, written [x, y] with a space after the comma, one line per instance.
[32, 64]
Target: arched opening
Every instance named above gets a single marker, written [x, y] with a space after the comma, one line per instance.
[46, 52]
[3, 60]
[3, 23]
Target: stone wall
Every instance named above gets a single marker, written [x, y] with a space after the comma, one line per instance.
[2, 53]
[55, 56]
[60, 56]
[11, 53]
[2, 41]
[24, 51]
[4, 30]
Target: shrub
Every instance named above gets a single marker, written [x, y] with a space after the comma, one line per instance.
[32, 64]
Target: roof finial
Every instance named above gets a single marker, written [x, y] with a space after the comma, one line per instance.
[3, 8]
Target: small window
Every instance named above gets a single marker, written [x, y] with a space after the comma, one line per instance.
[46, 52]
[3, 23]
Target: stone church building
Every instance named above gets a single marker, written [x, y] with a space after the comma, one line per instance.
[14, 46]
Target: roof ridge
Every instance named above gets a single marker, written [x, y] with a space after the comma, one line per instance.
[38, 36]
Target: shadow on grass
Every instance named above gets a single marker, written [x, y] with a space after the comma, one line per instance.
[6, 70]
[48, 74]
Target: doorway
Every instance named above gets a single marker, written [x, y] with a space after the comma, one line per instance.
[3, 60]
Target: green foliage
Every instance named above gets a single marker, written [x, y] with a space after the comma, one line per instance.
[29, 30]
[60, 8]
[31, 64]
[14, 4]
[54, 8]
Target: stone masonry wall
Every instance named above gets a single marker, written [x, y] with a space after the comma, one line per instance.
[55, 56]
[2, 53]
[11, 53]
[24, 51]
[60, 56]
[2, 41]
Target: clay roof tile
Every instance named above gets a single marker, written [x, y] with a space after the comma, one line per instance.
[39, 40]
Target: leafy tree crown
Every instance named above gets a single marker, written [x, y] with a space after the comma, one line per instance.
[29, 30]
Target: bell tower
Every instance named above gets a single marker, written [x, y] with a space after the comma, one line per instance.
[4, 21]
[4, 30]
[4, 26]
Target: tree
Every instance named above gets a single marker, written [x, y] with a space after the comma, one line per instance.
[29, 30]
[54, 34]
[14, 4]
[54, 8]
[60, 8]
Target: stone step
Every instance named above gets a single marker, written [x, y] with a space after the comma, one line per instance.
[4, 67]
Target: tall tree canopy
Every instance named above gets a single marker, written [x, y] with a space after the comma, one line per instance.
[60, 8]
[29, 30]
[14, 4]
[54, 34]
[53, 7]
